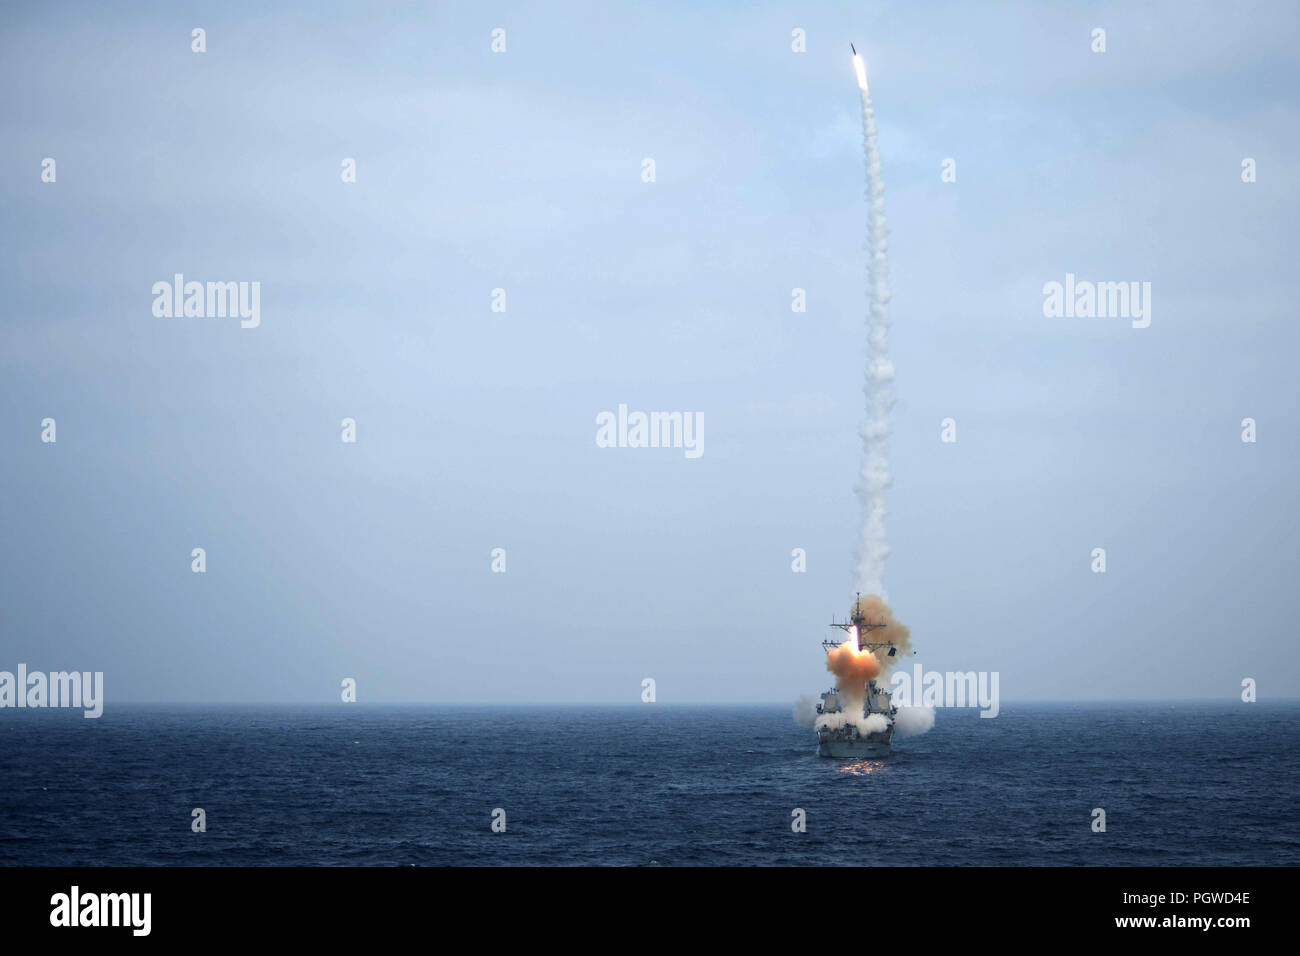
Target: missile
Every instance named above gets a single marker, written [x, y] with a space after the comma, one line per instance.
[851, 47]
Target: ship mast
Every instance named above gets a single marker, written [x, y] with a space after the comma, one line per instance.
[859, 621]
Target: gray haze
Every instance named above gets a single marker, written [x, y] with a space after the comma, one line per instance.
[476, 429]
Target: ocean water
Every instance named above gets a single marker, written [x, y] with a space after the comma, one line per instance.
[652, 784]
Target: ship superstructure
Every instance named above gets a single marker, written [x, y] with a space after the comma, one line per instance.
[863, 727]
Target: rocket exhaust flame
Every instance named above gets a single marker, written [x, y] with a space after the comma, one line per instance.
[889, 631]
[860, 69]
[852, 669]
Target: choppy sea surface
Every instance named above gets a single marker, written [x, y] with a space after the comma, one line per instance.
[1180, 783]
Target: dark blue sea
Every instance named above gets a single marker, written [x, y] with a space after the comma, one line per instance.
[655, 784]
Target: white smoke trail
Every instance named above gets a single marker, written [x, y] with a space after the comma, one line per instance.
[875, 476]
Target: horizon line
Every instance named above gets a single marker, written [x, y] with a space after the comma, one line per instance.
[608, 703]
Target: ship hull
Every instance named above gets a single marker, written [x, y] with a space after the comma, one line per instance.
[829, 745]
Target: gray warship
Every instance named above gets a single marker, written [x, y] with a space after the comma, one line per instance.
[842, 729]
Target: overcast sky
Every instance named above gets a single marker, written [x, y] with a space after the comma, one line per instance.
[476, 429]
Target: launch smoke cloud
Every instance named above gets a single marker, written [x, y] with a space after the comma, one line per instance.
[890, 631]
[852, 669]
[910, 721]
[865, 723]
[805, 710]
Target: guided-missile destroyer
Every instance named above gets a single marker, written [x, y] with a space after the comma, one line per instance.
[845, 728]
